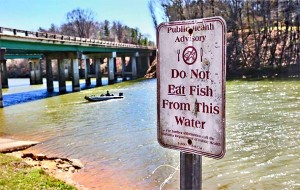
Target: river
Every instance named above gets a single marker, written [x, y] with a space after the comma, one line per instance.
[116, 140]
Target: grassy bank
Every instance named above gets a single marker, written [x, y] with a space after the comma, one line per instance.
[16, 174]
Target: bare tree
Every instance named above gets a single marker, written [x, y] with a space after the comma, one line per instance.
[68, 29]
[118, 30]
[82, 21]
[152, 12]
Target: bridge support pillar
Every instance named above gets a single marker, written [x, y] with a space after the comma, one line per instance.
[61, 76]
[87, 72]
[68, 70]
[134, 65]
[2, 52]
[148, 61]
[139, 66]
[75, 74]
[144, 65]
[98, 62]
[123, 68]
[4, 78]
[49, 75]
[115, 70]
[111, 69]
[1, 97]
[36, 76]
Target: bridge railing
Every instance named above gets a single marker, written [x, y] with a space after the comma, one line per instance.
[63, 38]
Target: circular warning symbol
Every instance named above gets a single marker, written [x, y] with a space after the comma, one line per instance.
[189, 55]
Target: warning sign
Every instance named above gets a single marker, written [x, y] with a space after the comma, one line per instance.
[191, 86]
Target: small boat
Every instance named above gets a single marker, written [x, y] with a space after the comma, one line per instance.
[103, 97]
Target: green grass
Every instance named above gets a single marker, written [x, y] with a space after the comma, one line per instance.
[16, 174]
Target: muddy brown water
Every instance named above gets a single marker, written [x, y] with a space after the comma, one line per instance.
[116, 140]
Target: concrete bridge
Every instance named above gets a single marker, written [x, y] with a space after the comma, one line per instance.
[38, 47]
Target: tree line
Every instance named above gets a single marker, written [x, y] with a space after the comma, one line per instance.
[82, 23]
[263, 36]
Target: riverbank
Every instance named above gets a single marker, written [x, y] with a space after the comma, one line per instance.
[17, 174]
[25, 170]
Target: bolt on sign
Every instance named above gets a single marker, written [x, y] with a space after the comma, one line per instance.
[191, 86]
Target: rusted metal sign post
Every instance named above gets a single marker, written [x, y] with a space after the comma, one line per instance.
[191, 92]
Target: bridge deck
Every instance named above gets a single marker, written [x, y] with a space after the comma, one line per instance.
[70, 53]
[28, 42]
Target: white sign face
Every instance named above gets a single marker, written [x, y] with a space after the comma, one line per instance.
[191, 86]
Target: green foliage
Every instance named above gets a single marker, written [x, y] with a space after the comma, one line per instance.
[81, 23]
[106, 29]
[134, 36]
[16, 174]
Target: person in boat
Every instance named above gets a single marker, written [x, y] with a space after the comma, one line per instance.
[107, 93]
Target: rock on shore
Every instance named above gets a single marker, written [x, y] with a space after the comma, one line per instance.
[60, 168]
[10, 145]
[151, 72]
